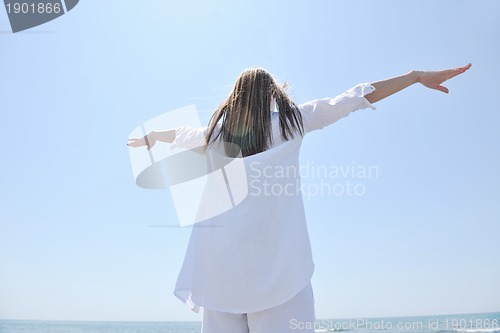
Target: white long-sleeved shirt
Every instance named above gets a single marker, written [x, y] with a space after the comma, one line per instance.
[257, 254]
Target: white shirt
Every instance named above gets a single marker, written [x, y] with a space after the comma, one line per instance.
[257, 255]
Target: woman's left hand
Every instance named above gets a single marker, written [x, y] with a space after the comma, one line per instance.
[434, 79]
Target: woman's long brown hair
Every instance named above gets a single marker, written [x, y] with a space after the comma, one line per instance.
[246, 115]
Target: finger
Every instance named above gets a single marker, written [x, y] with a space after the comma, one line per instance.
[443, 89]
[451, 73]
[466, 67]
[462, 69]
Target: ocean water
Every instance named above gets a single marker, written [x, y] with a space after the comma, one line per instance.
[39, 326]
[478, 322]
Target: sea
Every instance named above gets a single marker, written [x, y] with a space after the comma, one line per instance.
[477, 322]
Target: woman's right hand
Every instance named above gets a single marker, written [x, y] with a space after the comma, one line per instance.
[148, 140]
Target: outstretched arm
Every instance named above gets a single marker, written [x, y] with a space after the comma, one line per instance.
[430, 79]
[150, 139]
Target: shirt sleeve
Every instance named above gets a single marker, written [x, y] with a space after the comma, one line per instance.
[319, 113]
[189, 137]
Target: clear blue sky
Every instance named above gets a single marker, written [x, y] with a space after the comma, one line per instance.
[76, 240]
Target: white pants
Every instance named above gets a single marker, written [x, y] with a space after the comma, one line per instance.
[296, 315]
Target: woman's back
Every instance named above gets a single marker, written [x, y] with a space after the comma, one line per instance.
[251, 224]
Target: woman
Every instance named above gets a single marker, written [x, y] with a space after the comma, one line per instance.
[250, 266]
